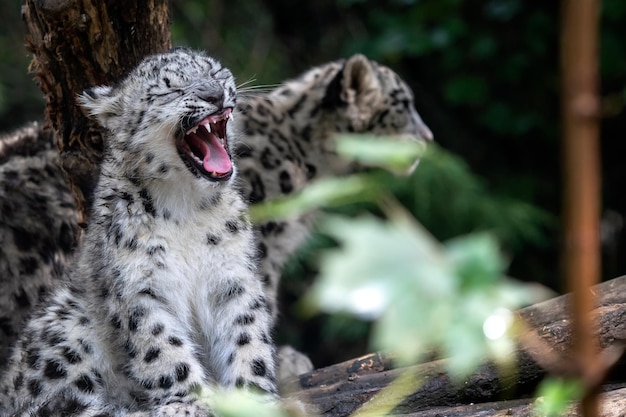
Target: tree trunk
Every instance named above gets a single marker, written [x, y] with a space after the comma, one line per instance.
[78, 44]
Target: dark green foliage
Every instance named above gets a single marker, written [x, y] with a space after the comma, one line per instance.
[21, 100]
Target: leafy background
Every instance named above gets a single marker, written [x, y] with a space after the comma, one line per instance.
[485, 76]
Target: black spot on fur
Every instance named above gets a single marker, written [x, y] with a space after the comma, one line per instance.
[34, 387]
[84, 383]
[149, 292]
[148, 204]
[152, 354]
[157, 329]
[243, 339]
[6, 326]
[21, 298]
[212, 239]
[268, 160]
[175, 341]
[260, 302]
[86, 346]
[233, 291]
[131, 243]
[154, 249]
[233, 226]
[231, 358]
[182, 372]
[135, 318]
[24, 240]
[116, 322]
[261, 250]
[52, 337]
[28, 265]
[259, 368]
[244, 319]
[286, 186]
[166, 382]
[32, 358]
[130, 349]
[18, 381]
[311, 171]
[71, 356]
[258, 189]
[54, 370]
[115, 231]
[240, 382]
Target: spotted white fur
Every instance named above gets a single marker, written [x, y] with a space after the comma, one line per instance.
[164, 295]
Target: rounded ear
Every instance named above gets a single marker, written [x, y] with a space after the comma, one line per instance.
[100, 102]
[359, 81]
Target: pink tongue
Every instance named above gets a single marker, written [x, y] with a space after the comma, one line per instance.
[216, 159]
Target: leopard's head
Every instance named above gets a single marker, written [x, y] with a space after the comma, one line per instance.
[170, 115]
[366, 97]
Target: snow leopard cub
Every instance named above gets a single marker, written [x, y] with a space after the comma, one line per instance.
[164, 294]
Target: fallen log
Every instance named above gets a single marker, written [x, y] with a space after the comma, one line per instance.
[613, 404]
[340, 389]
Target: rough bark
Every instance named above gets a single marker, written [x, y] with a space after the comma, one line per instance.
[78, 44]
[341, 389]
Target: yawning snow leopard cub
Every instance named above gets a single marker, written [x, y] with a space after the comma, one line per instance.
[164, 294]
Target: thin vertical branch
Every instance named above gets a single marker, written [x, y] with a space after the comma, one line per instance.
[580, 107]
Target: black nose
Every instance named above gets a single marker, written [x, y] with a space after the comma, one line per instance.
[211, 94]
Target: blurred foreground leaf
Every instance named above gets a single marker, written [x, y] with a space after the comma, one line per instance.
[396, 153]
[327, 192]
[422, 295]
[556, 396]
[240, 403]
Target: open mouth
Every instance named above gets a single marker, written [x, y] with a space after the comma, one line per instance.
[204, 148]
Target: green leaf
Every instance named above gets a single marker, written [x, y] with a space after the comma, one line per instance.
[422, 295]
[240, 403]
[476, 259]
[328, 192]
[396, 153]
[556, 396]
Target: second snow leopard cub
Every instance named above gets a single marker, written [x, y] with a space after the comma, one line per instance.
[164, 294]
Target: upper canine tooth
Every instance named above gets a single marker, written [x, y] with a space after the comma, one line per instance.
[208, 126]
[192, 130]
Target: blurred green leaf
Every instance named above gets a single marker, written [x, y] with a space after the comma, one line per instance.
[556, 396]
[240, 403]
[422, 295]
[476, 260]
[395, 153]
[328, 192]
